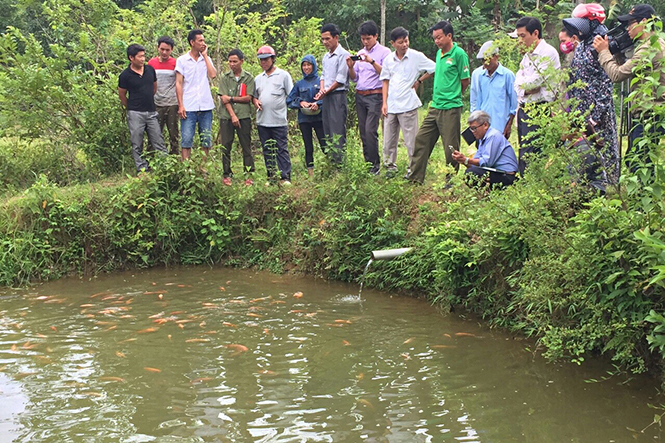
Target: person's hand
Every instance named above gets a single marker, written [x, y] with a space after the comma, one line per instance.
[507, 131]
[459, 157]
[368, 59]
[226, 99]
[182, 113]
[349, 62]
[314, 107]
[235, 122]
[257, 104]
[384, 110]
[204, 52]
[600, 43]
[416, 84]
[319, 95]
[304, 104]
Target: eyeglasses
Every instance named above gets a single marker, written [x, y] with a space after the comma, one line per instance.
[475, 128]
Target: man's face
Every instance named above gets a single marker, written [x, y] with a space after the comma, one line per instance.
[329, 41]
[235, 63]
[526, 40]
[401, 44]
[635, 28]
[164, 50]
[490, 64]
[479, 130]
[138, 59]
[441, 40]
[199, 43]
[369, 41]
[266, 63]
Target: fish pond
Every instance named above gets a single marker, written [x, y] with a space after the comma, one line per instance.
[225, 355]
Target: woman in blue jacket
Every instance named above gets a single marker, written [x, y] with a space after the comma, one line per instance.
[309, 110]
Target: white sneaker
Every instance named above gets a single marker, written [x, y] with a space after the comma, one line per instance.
[285, 183]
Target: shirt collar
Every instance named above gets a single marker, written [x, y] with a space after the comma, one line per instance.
[451, 50]
[406, 55]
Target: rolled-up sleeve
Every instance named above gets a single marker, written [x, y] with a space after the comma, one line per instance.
[342, 72]
[510, 92]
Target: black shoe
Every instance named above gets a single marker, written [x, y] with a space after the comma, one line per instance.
[375, 170]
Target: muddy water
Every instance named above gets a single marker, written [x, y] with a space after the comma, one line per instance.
[199, 355]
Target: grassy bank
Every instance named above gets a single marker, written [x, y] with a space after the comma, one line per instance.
[545, 258]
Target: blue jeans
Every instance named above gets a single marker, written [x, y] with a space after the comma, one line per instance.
[188, 126]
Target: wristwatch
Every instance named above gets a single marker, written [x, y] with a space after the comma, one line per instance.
[466, 161]
[231, 100]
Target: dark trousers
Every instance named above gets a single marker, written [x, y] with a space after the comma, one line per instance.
[476, 176]
[638, 155]
[227, 132]
[306, 128]
[168, 116]
[368, 108]
[525, 127]
[275, 151]
[334, 115]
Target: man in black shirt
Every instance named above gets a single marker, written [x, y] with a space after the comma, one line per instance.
[140, 80]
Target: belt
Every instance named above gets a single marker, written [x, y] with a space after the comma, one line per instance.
[370, 91]
[337, 91]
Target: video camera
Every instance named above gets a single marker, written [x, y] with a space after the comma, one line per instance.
[619, 40]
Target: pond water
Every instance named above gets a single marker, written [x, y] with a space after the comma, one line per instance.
[224, 355]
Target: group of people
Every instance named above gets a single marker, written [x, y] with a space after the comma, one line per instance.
[167, 89]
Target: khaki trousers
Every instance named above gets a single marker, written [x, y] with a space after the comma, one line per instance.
[438, 123]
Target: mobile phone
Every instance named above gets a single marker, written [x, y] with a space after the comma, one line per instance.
[355, 58]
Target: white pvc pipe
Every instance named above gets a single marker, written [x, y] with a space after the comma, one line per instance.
[389, 254]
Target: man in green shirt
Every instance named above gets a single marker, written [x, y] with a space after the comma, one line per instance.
[236, 89]
[451, 78]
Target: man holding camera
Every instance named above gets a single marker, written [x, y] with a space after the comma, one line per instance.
[634, 22]
[364, 69]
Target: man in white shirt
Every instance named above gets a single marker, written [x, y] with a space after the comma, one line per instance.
[334, 85]
[532, 83]
[192, 89]
[401, 76]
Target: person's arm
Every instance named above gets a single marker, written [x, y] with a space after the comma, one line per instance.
[422, 79]
[376, 65]
[122, 93]
[384, 107]
[212, 72]
[464, 72]
[319, 95]
[293, 100]
[512, 103]
[465, 84]
[351, 65]
[178, 93]
[473, 95]
[234, 118]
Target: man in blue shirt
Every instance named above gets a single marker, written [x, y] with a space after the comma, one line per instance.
[492, 89]
[494, 161]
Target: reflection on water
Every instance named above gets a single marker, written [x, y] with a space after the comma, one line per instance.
[224, 355]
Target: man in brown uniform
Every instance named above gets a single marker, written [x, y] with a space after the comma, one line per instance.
[647, 56]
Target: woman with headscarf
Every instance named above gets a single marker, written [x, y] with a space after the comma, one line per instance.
[309, 110]
[594, 98]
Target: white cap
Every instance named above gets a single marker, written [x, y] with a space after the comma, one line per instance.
[513, 34]
[486, 50]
